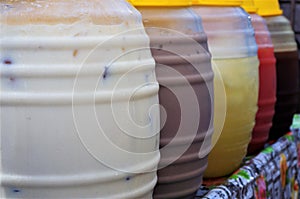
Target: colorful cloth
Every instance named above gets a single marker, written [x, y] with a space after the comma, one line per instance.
[271, 174]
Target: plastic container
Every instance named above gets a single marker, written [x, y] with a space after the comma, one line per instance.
[267, 85]
[73, 89]
[234, 56]
[287, 69]
[183, 69]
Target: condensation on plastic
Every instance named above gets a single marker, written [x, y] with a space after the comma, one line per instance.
[232, 45]
[46, 121]
[267, 85]
[176, 50]
[267, 7]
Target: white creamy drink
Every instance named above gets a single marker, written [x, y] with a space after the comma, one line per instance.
[78, 101]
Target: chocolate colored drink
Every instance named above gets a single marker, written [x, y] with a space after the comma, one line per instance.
[287, 72]
[185, 76]
[287, 92]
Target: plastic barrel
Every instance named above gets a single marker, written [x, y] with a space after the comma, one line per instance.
[183, 69]
[75, 100]
[267, 85]
[287, 70]
[234, 56]
[287, 74]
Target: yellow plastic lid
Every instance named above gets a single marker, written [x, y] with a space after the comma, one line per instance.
[249, 6]
[161, 2]
[268, 7]
[218, 2]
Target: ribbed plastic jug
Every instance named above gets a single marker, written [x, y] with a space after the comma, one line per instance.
[234, 56]
[183, 69]
[287, 72]
[78, 90]
[287, 69]
[267, 85]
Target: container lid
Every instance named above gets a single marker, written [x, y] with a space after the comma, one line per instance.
[161, 2]
[218, 2]
[268, 7]
[249, 6]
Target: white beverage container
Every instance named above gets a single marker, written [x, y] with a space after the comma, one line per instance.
[78, 96]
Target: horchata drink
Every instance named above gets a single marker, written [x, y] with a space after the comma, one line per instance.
[79, 114]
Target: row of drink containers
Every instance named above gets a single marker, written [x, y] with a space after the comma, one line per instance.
[101, 99]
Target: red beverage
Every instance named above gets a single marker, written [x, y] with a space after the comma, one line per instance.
[267, 85]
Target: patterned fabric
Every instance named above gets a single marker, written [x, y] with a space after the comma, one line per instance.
[274, 173]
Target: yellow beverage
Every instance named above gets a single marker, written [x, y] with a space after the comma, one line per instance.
[240, 80]
[234, 58]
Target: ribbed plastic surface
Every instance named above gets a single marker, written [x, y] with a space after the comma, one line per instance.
[232, 45]
[287, 71]
[268, 7]
[67, 88]
[282, 35]
[183, 69]
[231, 35]
[267, 85]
